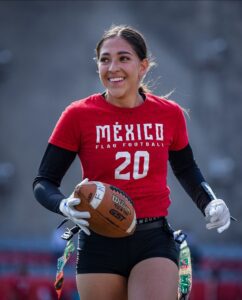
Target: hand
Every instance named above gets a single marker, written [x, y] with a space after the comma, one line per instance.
[67, 207]
[218, 215]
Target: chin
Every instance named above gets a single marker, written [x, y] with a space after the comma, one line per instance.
[117, 94]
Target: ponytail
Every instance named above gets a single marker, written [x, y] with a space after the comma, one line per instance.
[144, 89]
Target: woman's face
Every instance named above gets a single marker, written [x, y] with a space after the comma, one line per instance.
[120, 69]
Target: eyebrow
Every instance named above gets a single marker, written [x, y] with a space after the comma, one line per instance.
[119, 53]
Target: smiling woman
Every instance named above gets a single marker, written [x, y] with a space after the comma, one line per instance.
[125, 137]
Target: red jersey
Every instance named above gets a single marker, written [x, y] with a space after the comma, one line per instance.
[126, 147]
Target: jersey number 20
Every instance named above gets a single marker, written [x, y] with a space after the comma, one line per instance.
[140, 165]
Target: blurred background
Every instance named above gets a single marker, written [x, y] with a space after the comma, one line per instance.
[46, 62]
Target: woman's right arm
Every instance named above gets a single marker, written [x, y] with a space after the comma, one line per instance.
[53, 167]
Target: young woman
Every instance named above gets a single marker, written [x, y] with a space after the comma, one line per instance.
[125, 137]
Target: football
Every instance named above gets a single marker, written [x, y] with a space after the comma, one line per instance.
[111, 209]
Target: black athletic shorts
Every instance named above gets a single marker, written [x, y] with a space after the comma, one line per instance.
[98, 254]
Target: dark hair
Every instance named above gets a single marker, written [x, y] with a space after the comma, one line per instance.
[134, 38]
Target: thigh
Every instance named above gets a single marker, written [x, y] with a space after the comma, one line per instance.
[101, 286]
[153, 278]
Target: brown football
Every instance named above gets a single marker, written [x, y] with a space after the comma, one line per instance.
[111, 209]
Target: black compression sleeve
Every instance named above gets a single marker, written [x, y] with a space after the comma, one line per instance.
[55, 163]
[189, 175]
[53, 167]
[48, 195]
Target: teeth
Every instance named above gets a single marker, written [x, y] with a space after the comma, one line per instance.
[116, 79]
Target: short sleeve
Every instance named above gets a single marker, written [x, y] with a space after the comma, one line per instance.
[180, 138]
[66, 133]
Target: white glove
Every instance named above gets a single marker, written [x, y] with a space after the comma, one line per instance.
[218, 215]
[76, 216]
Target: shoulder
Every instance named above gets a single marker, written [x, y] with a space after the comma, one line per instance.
[84, 104]
[163, 103]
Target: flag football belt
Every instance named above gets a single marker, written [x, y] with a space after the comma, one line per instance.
[151, 223]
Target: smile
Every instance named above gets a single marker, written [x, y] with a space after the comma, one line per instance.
[116, 79]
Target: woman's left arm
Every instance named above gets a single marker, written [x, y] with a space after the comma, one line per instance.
[190, 177]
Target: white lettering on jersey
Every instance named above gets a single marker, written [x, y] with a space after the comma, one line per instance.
[159, 132]
[139, 132]
[116, 129]
[129, 132]
[147, 135]
[102, 132]
[140, 165]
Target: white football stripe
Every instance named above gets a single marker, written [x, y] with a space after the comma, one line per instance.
[133, 224]
[98, 197]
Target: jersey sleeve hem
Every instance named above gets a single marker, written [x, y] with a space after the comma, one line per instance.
[63, 145]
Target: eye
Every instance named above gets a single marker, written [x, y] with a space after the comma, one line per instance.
[124, 58]
[104, 59]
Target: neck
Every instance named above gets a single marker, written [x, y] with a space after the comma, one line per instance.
[128, 102]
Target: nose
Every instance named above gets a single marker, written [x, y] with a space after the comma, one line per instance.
[113, 66]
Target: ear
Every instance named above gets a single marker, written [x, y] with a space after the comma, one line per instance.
[96, 62]
[144, 67]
